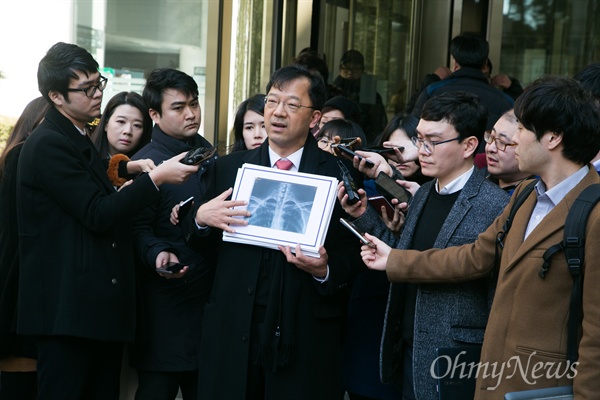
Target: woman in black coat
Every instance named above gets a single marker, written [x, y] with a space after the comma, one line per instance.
[17, 353]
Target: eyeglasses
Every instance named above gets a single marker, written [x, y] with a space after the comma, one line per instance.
[324, 143]
[428, 145]
[91, 91]
[500, 145]
[291, 107]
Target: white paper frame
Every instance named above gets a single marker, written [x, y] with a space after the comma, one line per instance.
[301, 202]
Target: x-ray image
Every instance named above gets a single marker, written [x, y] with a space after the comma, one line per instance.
[281, 205]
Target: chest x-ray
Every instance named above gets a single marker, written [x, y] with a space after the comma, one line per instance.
[281, 205]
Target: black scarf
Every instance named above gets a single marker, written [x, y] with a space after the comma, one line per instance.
[278, 335]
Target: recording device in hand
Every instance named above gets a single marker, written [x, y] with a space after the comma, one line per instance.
[383, 150]
[198, 155]
[349, 185]
[170, 268]
[389, 189]
[345, 151]
[357, 232]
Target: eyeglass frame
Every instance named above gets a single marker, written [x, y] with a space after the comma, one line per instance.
[420, 142]
[324, 139]
[272, 104]
[101, 85]
[494, 139]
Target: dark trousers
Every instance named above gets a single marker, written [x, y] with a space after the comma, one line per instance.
[255, 385]
[159, 385]
[74, 368]
[17, 385]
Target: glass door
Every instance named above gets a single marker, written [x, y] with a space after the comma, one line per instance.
[382, 32]
[548, 37]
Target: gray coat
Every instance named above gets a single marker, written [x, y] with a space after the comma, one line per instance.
[446, 315]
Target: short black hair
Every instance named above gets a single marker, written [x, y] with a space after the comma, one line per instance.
[161, 79]
[284, 75]
[589, 76]
[470, 50]
[460, 109]
[59, 66]
[346, 106]
[563, 106]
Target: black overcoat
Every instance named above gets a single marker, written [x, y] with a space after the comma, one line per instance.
[77, 272]
[314, 372]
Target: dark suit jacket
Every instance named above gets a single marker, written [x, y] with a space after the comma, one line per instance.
[77, 276]
[314, 372]
[446, 314]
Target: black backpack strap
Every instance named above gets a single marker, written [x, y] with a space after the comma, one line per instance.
[573, 246]
[521, 197]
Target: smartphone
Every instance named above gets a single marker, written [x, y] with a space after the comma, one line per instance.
[344, 151]
[379, 201]
[383, 150]
[170, 268]
[185, 207]
[389, 189]
[356, 232]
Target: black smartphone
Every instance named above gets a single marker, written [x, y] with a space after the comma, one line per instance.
[170, 268]
[344, 151]
[379, 201]
[198, 155]
[185, 207]
[356, 232]
[389, 189]
[383, 150]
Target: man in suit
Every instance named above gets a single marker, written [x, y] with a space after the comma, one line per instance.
[169, 308]
[558, 135]
[76, 288]
[272, 327]
[450, 210]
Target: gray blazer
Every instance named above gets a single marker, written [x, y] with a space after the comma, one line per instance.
[447, 314]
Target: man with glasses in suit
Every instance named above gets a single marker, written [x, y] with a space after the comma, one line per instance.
[450, 210]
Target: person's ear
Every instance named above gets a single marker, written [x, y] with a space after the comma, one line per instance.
[316, 117]
[470, 145]
[56, 97]
[154, 115]
[454, 64]
[554, 140]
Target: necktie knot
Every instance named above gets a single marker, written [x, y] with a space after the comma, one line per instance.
[284, 163]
